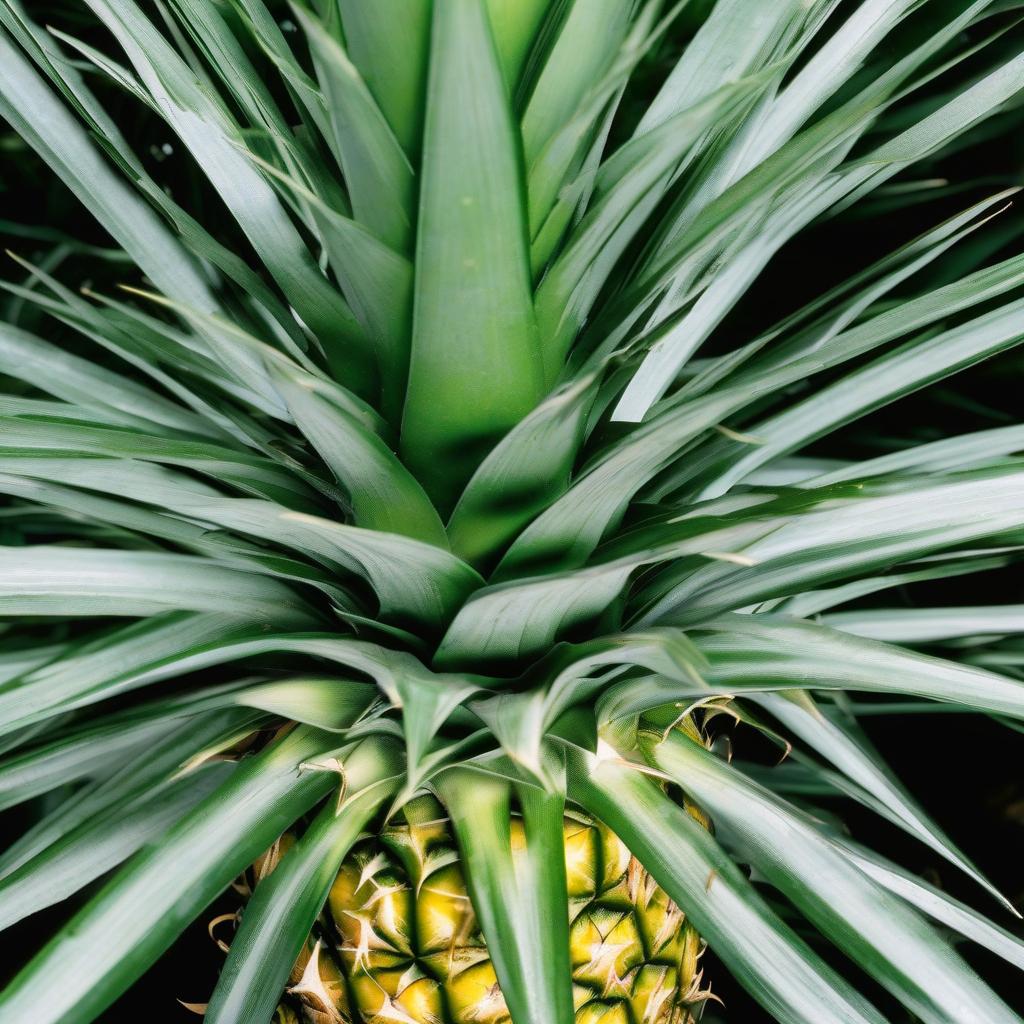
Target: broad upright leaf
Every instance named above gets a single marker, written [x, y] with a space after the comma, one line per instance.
[475, 368]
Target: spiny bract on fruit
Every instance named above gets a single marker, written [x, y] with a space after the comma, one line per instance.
[476, 401]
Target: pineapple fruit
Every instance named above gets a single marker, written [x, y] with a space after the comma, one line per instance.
[398, 939]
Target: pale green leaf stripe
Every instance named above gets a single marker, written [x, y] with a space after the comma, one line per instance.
[741, 264]
[19, 660]
[389, 42]
[281, 913]
[411, 579]
[934, 567]
[522, 618]
[838, 58]
[383, 495]
[95, 751]
[560, 176]
[203, 126]
[938, 905]
[589, 36]
[765, 955]
[853, 755]
[777, 120]
[88, 384]
[929, 625]
[735, 39]
[769, 652]
[475, 369]
[572, 527]
[852, 537]
[40, 118]
[892, 376]
[37, 439]
[835, 310]
[964, 450]
[267, 34]
[147, 345]
[761, 653]
[142, 909]
[759, 191]
[194, 538]
[377, 282]
[518, 899]
[224, 52]
[85, 854]
[53, 580]
[889, 941]
[127, 780]
[627, 189]
[137, 656]
[99, 661]
[807, 156]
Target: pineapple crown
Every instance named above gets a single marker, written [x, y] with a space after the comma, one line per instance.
[438, 424]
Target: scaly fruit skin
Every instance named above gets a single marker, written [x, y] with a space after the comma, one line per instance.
[398, 940]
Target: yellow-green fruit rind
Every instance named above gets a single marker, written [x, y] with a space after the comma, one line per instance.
[398, 940]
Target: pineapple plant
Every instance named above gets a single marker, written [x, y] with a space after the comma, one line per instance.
[418, 478]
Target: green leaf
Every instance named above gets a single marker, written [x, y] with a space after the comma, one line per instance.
[567, 532]
[142, 909]
[377, 172]
[523, 618]
[929, 625]
[588, 36]
[764, 651]
[84, 854]
[514, 24]
[854, 756]
[849, 538]
[627, 189]
[280, 915]
[128, 781]
[429, 594]
[938, 905]
[765, 955]
[475, 368]
[733, 40]
[951, 453]
[389, 42]
[82, 382]
[888, 940]
[53, 580]
[560, 175]
[60, 438]
[203, 126]
[93, 751]
[519, 895]
[891, 376]
[523, 474]
[92, 670]
[384, 494]
[31, 108]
